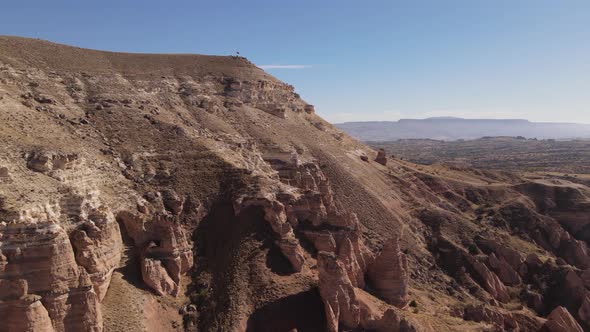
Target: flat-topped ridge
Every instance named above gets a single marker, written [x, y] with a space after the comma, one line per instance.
[20, 51]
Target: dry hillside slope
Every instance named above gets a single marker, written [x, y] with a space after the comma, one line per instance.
[145, 192]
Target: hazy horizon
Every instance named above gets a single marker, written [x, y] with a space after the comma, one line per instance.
[446, 128]
[476, 119]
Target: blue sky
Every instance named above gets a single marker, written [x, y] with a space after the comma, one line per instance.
[359, 60]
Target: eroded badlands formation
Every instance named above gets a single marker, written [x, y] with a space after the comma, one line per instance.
[184, 192]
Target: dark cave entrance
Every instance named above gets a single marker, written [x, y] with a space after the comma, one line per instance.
[224, 243]
[303, 311]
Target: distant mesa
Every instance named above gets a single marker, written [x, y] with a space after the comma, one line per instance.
[452, 128]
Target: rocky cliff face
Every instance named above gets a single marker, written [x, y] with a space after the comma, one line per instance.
[179, 192]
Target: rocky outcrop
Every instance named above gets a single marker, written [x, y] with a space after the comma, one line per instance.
[560, 320]
[506, 262]
[573, 286]
[292, 251]
[483, 313]
[503, 270]
[321, 240]
[340, 303]
[375, 316]
[97, 244]
[166, 249]
[4, 174]
[535, 301]
[156, 277]
[22, 311]
[389, 274]
[172, 201]
[276, 216]
[50, 162]
[584, 310]
[303, 203]
[381, 157]
[355, 257]
[502, 319]
[547, 232]
[490, 281]
[46, 266]
[272, 97]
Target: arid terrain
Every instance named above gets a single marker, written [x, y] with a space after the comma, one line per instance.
[497, 153]
[145, 192]
[451, 129]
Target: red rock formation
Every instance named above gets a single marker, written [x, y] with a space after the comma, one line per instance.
[322, 241]
[535, 301]
[381, 157]
[340, 303]
[510, 256]
[276, 217]
[585, 275]
[560, 320]
[503, 270]
[502, 319]
[483, 313]
[97, 244]
[27, 315]
[49, 268]
[374, 319]
[490, 281]
[354, 256]
[4, 173]
[167, 248]
[172, 201]
[292, 250]
[21, 311]
[584, 310]
[389, 274]
[156, 277]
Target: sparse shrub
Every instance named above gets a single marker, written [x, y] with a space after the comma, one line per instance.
[414, 304]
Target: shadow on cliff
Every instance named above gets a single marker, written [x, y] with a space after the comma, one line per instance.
[130, 267]
[303, 312]
[224, 244]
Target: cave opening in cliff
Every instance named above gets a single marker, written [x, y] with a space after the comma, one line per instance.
[129, 266]
[303, 312]
[225, 239]
[221, 229]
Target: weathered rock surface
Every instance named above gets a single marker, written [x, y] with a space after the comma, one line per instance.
[4, 172]
[484, 313]
[340, 302]
[165, 247]
[26, 314]
[503, 270]
[156, 277]
[389, 274]
[560, 320]
[381, 157]
[48, 267]
[490, 281]
[584, 310]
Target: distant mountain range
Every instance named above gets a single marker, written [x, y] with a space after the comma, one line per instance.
[450, 128]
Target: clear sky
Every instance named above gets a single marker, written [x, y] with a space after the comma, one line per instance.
[359, 60]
